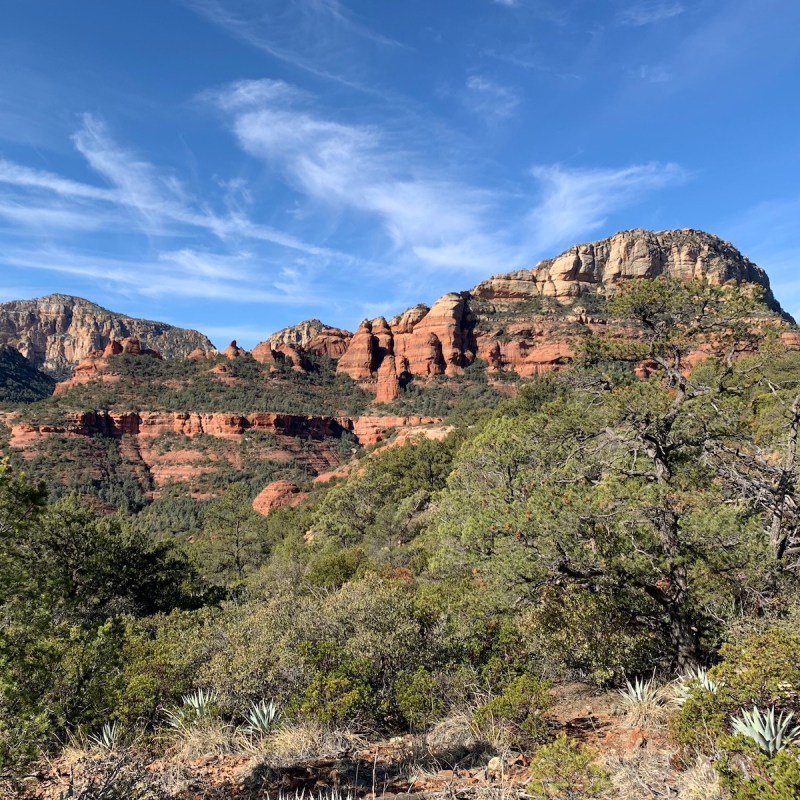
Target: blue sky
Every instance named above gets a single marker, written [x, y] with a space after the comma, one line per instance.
[240, 165]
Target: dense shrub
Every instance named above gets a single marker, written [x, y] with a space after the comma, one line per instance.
[521, 706]
[762, 670]
[566, 770]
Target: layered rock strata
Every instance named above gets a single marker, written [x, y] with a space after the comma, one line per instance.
[55, 332]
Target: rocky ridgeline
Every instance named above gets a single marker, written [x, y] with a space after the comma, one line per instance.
[55, 332]
[523, 320]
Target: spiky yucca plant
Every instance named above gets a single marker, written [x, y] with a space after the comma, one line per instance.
[770, 734]
[640, 691]
[643, 702]
[696, 678]
[108, 738]
[197, 705]
[261, 717]
[324, 794]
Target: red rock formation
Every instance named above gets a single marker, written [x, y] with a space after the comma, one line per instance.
[438, 342]
[264, 354]
[92, 367]
[359, 362]
[294, 356]
[278, 494]
[234, 351]
[332, 342]
[113, 348]
[388, 386]
[201, 355]
[312, 336]
[529, 336]
[138, 435]
[373, 429]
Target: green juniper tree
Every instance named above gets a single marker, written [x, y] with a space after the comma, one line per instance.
[606, 489]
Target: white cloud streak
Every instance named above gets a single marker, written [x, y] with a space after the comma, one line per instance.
[156, 197]
[490, 99]
[432, 220]
[186, 273]
[353, 166]
[650, 13]
[316, 36]
[576, 201]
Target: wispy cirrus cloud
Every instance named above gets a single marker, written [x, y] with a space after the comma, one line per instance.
[187, 273]
[353, 166]
[155, 196]
[489, 99]
[435, 220]
[574, 202]
[649, 13]
[316, 36]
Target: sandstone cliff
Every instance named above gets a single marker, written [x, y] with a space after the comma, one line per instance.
[596, 267]
[310, 336]
[55, 332]
[527, 320]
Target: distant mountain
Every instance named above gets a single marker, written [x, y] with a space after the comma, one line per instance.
[526, 321]
[296, 406]
[55, 332]
[20, 381]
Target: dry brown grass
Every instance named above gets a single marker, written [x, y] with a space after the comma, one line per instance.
[453, 734]
[648, 772]
[111, 776]
[641, 773]
[700, 782]
[301, 741]
[206, 738]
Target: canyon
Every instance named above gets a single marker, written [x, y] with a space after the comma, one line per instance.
[510, 328]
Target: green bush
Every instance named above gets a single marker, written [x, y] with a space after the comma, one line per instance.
[762, 670]
[565, 770]
[586, 634]
[418, 697]
[522, 706]
[750, 775]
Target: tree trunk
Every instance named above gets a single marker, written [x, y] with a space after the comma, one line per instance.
[683, 636]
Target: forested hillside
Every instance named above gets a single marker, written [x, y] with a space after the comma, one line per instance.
[20, 382]
[630, 523]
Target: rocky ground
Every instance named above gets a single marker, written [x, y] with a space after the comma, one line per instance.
[446, 762]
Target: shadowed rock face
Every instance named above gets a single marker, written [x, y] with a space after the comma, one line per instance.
[55, 332]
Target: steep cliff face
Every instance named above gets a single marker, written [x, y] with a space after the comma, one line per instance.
[312, 336]
[527, 320]
[597, 267]
[55, 332]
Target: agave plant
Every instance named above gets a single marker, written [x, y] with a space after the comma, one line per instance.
[643, 701]
[261, 717]
[108, 738]
[197, 705]
[324, 794]
[770, 734]
[694, 678]
[640, 691]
